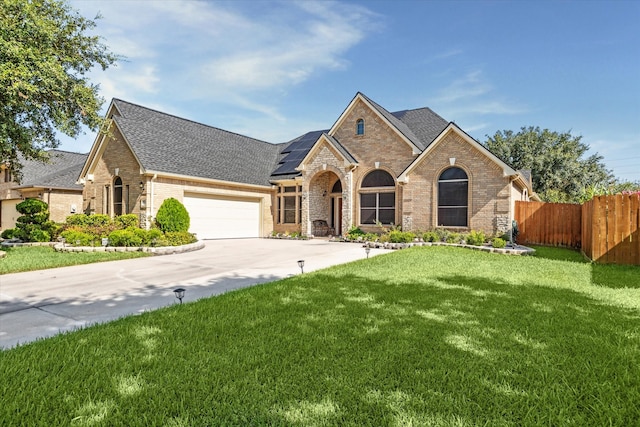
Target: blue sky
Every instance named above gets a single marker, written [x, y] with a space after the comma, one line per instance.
[275, 70]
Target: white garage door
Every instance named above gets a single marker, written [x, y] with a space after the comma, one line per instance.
[223, 218]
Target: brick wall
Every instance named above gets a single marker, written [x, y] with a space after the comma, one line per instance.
[115, 155]
[489, 190]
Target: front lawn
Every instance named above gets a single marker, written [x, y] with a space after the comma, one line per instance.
[433, 336]
[28, 258]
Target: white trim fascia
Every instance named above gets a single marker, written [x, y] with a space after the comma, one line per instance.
[506, 169]
[415, 150]
[316, 146]
[170, 175]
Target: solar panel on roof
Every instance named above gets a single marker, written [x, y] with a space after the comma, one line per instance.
[296, 151]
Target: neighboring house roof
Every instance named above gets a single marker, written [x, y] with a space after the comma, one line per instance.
[61, 171]
[166, 143]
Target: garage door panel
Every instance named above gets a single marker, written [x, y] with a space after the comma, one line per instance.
[223, 218]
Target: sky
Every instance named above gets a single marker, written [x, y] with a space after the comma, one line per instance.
[273, 70]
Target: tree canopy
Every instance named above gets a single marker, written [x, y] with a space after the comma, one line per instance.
[45, 52]
[560, 172]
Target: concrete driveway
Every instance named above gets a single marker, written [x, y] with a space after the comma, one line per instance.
[43, 303]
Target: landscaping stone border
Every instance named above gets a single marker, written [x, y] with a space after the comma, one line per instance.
[161, 250]
[517, 250]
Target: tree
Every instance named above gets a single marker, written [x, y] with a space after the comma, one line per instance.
[559, 171]
[45, 52]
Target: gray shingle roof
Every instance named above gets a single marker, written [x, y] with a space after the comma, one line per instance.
[61, 171]
[420, 126]
[170, 144]
[424, 123]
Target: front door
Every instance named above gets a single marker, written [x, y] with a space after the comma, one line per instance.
[336, 215]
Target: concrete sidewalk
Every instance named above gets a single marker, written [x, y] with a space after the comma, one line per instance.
[43, 303]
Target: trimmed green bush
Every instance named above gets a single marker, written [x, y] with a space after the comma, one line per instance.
[453, 238]
[476, 238]
[95, 220]
[39, 235]
[497, 242]
[33, 224]
[8, 233]
[32, 207]
[128, 237]
[173, 217]
[179, 238]
[397, 236]
[126, 221]
[430, 236]
[75, 237]
[354, 233]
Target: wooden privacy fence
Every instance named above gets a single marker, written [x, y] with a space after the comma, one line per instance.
[611, 229]
[555, 224]
[606, 228]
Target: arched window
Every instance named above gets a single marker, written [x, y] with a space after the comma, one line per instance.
[378, 198]
[360, 127]
[337, 187]
[453, 198]
[117, 196]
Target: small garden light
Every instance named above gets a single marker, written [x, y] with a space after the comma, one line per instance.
[367, 249]
[179, 293]
[301, 265]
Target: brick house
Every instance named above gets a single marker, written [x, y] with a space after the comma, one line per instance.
[54, 182]
[410, 168]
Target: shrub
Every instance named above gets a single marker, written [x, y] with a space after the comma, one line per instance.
[8, 233]
[179, 238]
[95, 220]
[77, 237]
[173, 217]
[126, 221]
[476, 238]
[153, 237]
[370, 237]
[442, 234]
[31, 207]
[127, 237]
[354, 233]
[397, 236]
[497, 242]
[430, 236]
[453, 238]
[35, 217]
[39, 235]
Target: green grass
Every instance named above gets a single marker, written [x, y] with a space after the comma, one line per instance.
[431, 336]
[39, 257]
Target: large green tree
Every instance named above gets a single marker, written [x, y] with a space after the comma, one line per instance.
[560, 170]
[45, 53]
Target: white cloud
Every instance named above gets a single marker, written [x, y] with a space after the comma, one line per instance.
[473, 94]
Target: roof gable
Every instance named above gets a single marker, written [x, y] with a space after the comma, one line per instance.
[452, 127]
[327, 139]
[396, 125]
[163, 143]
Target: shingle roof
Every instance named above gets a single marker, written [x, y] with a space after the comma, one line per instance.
[424, 123]
[61, 171]
[421, 126]
[170, 144]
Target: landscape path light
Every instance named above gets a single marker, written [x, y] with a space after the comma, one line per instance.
[301, 265]
[179, 293]
[367, 249]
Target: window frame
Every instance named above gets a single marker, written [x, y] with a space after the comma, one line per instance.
[378, 206]
[360, 127]
[450, 221]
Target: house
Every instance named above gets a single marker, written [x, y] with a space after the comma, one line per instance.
[53, 182]
[411, 168]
